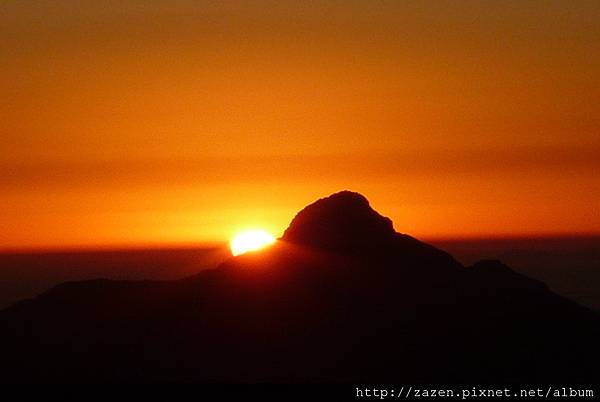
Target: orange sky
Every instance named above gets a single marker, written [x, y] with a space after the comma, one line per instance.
[184, 121]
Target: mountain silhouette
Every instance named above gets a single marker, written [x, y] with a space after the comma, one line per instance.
[341, 297]
[342, 222]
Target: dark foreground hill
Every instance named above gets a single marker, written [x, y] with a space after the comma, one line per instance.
[341, 297]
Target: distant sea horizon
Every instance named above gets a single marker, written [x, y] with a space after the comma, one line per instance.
[568, 264]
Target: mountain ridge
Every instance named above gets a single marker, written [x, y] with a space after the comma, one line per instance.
[343, 308]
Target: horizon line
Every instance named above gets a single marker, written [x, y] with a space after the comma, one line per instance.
[166, 246]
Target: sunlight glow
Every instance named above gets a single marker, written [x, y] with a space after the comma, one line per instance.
[250, 240]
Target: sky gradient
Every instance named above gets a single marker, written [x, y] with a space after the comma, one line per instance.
[180, 122]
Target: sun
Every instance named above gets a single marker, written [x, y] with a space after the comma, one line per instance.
[250, 240]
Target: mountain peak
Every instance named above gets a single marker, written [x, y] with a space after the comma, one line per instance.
[342, 221]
